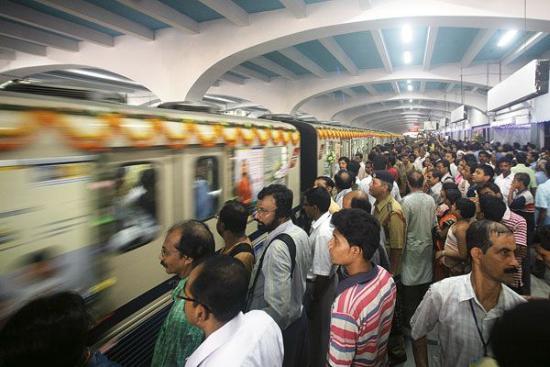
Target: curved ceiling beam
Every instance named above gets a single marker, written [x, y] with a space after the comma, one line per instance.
[405, 109]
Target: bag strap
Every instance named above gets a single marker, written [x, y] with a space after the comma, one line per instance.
[240, 248]
[289, 242]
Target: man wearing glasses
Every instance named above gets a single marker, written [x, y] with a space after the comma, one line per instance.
[186, 244]
[278, 280]
[215, 295]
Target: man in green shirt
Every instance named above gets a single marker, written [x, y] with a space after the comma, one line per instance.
[521, 159]
[186, 244]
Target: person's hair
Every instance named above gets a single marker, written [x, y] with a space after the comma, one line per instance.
[479, 234]
[319, 197]
[493, 208]
[379, 163]
[328, 181]
[361, 203]
[343, 179]
[453, 154]
[467, 208]
[521, 157]
[485, 153]
[359, 228]
[283, 199]
[449, 185]
[353, 168]
[469, 158]
[523, 178]
[487, 170]
[535, 155]
[445, 163]
[234, 217]
[48, 331]
[415, 179]
[196, 241]
[221, 285]
[547, 168]
[542, 236]
[490, 185]
[504, 159]
[392, 160]
[436, 174]
[526, 320]
[453, 195]
[472, 166]
[359, 154]
[345, 159]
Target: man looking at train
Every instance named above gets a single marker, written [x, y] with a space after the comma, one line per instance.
[278, 280]
[215, 294]
[464, 308]
[186, 244]
[326, 183]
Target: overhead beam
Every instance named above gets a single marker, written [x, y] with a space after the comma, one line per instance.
[293, 54]
[395, 86]
[480, 40]
[163, 13]
[532, 41]
[23, 46]
[233, 79]
[7, 54]
[250, 73]
[450, 87]
[25, 33]
[422, 86]
[267, 64]
[98, 15]
[430, 44]
[229, 10]
[475, 89]
[371, 89]
[351, 92]
[296, 7]
[29, 16]
[378, 38]
[334, 48]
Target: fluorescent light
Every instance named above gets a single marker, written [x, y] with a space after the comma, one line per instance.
[409, 81]
[407, 57]
[507, 38]
[410, 100]
[410, 87]
[406, 34]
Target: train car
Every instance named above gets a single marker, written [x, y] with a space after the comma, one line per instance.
[89, 190]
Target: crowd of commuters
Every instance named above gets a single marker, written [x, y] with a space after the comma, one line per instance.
[433, 235]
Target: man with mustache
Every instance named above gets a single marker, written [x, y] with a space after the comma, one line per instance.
[185, 246]
[278, 279]
[464, 308]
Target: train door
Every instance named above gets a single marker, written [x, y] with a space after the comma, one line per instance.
[142, 206]
[205, 185]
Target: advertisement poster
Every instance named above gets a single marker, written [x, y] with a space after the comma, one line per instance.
[275, 165]
[248, 174]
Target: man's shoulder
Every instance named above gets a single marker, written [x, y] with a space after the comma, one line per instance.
[448, 286]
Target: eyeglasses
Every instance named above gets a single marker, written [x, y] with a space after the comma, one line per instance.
[262, 211]
[189, 299]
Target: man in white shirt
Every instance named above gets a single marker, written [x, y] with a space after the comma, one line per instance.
[344, 181]
[504, 180]
[464, 308]
[451, 157]
[321, 282]
[215, 294]
[433, 180]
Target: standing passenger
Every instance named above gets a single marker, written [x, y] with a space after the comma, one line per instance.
[363, 309]
[231, 225]
[326, 183]
[278, 280]
[186, 244]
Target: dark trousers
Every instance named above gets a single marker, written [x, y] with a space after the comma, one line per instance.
[296, 343]
[318, 312]
[412, 296]
[396, 341]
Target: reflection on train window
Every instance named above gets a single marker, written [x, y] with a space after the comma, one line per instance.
[134, 206]
[206, 187]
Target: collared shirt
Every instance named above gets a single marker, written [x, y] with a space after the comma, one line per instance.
[390, 216]
[321, 234]
[435, 192]
[361, 319]
[523, 168]
[504, 184]
[419, 210]
[447, 306]
[251, 340]
[177, 338]
[454, 170]
[542, 199]
[276, 291]
[518, 225]
[365, 183]
[447, 177]
[340, 197]
[333, 208]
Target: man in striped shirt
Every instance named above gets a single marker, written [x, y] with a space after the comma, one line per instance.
[363, 309]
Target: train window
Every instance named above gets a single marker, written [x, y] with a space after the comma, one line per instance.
[134, 206]
[207, 190]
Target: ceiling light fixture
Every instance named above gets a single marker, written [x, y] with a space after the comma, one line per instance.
[507, 38]
[410, 100]
[407, 57]
[410, 87]
[406, 33]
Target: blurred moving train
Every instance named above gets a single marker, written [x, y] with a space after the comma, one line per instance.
[89, 189]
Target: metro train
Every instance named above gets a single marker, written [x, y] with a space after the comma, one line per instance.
[88, 189]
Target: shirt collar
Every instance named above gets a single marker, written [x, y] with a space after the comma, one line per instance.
[380, 203]
[216, 340]
[277, 231]
[466, 292]
[317, 223]
[507, 214]
[360, 278]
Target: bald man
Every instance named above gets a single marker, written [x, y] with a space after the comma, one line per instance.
[357, 199]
